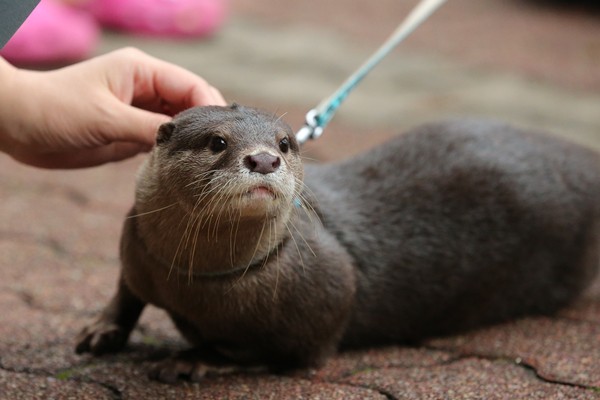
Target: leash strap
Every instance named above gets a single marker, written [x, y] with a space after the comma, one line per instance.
[319, 117]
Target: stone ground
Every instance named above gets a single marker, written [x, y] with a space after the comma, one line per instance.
[529, 62]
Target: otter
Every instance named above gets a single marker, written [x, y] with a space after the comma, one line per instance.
[261, 261]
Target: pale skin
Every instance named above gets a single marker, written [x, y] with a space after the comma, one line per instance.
[101, 110]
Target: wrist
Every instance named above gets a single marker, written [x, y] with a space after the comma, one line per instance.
[15, 103]
[7, 78]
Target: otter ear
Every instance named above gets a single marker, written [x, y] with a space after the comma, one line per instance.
[165, 131]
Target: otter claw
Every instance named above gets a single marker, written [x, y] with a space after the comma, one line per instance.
[101, 338]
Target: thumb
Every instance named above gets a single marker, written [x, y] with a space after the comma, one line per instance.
[136, 125]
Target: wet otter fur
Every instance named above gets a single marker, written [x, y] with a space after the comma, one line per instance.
[448, 227]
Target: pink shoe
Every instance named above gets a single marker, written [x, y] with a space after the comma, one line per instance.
[174, 18]
[53, 33]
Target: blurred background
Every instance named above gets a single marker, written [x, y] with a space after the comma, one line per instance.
[532, 62]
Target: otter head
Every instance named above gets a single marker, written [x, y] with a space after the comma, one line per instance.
[231, 162]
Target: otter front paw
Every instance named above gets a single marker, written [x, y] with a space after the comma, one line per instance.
[101, 337]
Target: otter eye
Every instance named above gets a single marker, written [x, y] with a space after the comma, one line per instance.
[284, 145]
[217, 144]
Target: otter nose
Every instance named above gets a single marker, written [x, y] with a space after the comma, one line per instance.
[263, 163]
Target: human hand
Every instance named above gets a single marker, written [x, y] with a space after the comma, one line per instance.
[105, 109]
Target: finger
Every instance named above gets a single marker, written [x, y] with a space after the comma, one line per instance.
[177, 87]
[211, 96]
[131, 124]
[83, 158]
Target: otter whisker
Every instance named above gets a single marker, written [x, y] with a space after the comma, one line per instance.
[258, 242]
[192, 218]
[184, 237]
[297, 247]
[181, 240]
[305, 158]
[233, 246]
[280, 117]
[301, 191]
[277, 272]
[225, 195]
[218, 204]
[205, 176]
[301, 236]
[213, 204]
[216, 193]
[189, 216]
[151, 212]
[194, 232]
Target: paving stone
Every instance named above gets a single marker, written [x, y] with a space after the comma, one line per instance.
[22, 324]
[275, 387]
[130, 378]
[34, 339]
[560, 350]
[50, 358]
[31, 387]
[60, 215]
[107, 185]
[353, 362]
[53, 282]
[467, 379]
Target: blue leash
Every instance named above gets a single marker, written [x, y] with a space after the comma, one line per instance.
[319, 117]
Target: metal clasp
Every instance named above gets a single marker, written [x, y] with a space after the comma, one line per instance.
[311, 128]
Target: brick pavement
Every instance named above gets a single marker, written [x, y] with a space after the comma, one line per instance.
[59, 230]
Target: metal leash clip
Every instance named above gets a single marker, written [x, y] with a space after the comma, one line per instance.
[318, 117]
[311, 128]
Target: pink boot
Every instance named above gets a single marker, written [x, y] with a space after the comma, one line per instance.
[173, 18]
[54, 33]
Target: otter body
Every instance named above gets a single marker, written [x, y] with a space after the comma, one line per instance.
[442, 229]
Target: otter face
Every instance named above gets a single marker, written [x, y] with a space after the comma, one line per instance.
[230, 158]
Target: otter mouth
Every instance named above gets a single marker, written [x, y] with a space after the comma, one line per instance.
[260, 192]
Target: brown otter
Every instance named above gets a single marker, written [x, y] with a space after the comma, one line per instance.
[449, 227]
